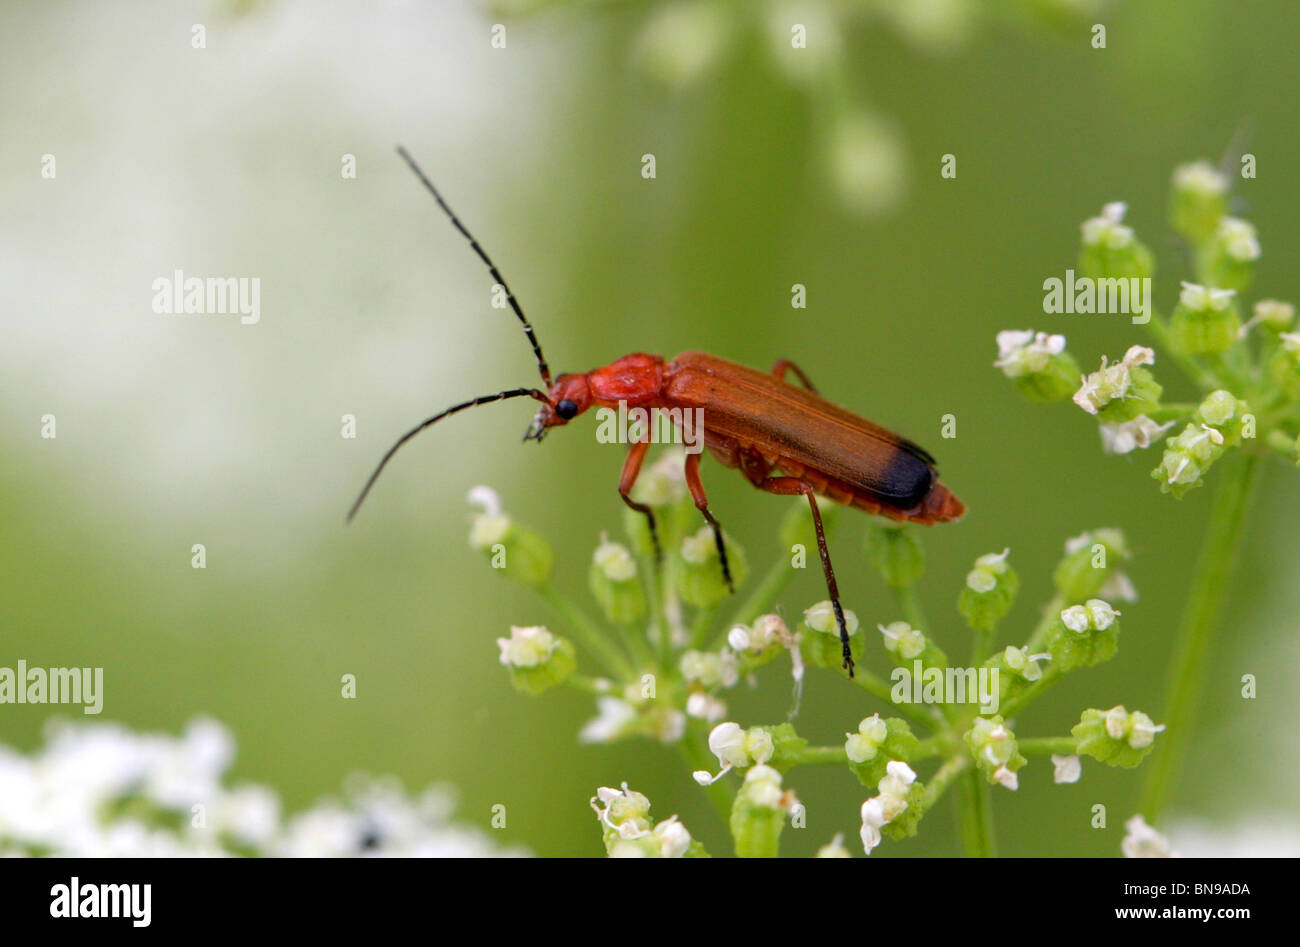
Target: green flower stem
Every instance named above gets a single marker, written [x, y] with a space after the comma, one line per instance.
[761, 599]
[942, 779]
[929, 718]
[635, 642]
[587, 685]
[975, 815]
[1209, 587]
[702, 625]
[1190, 366]
[910, 605]
[591, 634]
[693, 749]
[820, 756]
[1051, 612]
[1013, 706]
[1173, 411]
[653, 580]
[1061, 746]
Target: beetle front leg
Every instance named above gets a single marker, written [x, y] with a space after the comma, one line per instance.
[696, 486]
[631, 470]
[789, 486]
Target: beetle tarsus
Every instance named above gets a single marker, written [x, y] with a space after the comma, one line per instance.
[844, 636]
[722, 550]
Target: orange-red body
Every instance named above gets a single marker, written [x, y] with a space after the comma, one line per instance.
[760, 423]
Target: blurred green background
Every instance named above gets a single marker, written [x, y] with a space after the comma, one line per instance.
[195, 429]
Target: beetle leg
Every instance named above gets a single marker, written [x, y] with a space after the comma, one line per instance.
[696, 486]
[784, 364]
[631, 470]
[789, 486]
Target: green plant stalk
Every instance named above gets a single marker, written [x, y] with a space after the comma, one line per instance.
[1209, 587]
[975, 815]
[763, 596]
[588, 631]
[876, 686]
[1061, 746]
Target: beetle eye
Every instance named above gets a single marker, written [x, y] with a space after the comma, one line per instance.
[567, 408]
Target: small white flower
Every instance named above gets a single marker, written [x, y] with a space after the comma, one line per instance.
[614, 561]
[1027, 352]
[740, 638]
[1139, 433]
[873, 817]
[901, 771]
[1005, 777]
[1199, 298]
[1118, 722]
[705, 707]
[821, 617]
[1239, 239]
[1120, 588]
[613, 717]
[1075, 618]
[727, 743]
[527, 647]
[1142, 841]
[1200, 178]
[674, 840]
[833, 849]
[1142, 730]
[1068, 769]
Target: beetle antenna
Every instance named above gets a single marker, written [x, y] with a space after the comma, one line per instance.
[542, 367]
[473, 403]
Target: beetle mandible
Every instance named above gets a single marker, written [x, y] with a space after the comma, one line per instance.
[785, 439]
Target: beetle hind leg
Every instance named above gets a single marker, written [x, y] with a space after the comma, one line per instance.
[790, 486]
[784, 365]
[696, 486]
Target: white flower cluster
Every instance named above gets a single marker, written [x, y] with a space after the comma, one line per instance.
[103, 790]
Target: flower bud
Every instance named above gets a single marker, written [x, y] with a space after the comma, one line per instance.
[1273, 314]
[1115, 737]
[1205, 321]
[1084, 635]
[758, 814]
[1109, 249]
[701, 581]
[1037, 364]
[537, 660]
[876, 744]
[993, 746]
[1091, 560]
[1285, 364]
[515, 552]
[1200, 199]
[895, 552]
[989, 592]
[614, 582]
[1231, 254]
[1216, 425]
[1122, 391]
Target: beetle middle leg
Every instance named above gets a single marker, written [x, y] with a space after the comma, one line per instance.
[631, 470]
[696, 486]
[789, 486]
[784, 364]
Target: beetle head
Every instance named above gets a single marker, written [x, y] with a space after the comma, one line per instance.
[568, 397]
